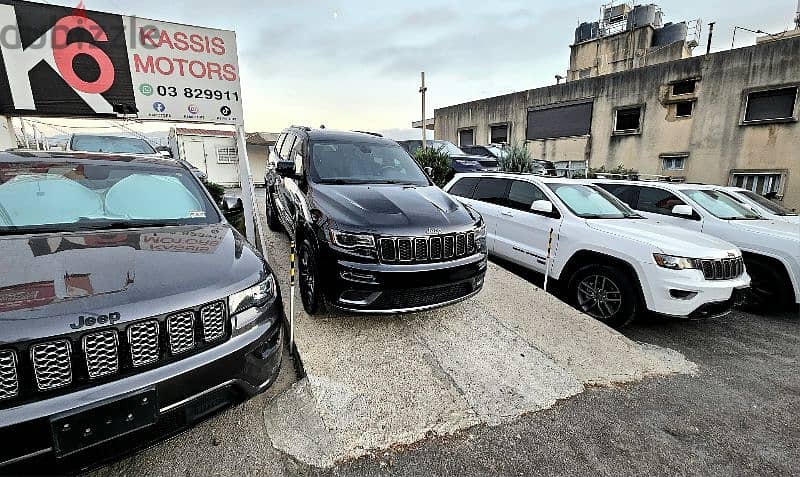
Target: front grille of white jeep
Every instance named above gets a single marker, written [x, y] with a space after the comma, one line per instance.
[721, 269]
[101, 354]
[9, 381]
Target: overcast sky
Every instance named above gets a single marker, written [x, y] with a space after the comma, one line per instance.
[355, 64]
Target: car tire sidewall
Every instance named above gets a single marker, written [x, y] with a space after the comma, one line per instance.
[314, 304]
[628, 291]
[272, 217]
[767, 291]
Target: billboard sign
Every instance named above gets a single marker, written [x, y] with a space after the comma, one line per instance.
[60, 61]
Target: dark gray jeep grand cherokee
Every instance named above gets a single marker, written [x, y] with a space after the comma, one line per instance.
[129, 309]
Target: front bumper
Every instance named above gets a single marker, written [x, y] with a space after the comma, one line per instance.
[400, 288]
[188, 391]
[686, 293]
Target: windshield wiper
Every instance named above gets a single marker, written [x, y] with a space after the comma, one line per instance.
[103, 224]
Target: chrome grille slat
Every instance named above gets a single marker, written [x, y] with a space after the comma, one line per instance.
[143, 342]
[449, 246]
[436, 248]
[405, 250]
[213, 319]
[388, 250]
[421, 249]
[52, 364]
[429, 248]
[9, 380]
[180, 330]
[461, 244]
[721, 269]
[100, 349]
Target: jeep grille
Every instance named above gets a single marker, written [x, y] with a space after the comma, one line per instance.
[9, 382]
[427, 249]
[721, 269]
[101, 353]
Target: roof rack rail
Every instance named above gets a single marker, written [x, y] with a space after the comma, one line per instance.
[370, 133]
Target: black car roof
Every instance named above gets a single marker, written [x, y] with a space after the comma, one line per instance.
[15, 156]
[334, 135]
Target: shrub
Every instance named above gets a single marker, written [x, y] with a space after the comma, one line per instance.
[516, 159]
[217, 191]
[438, 160]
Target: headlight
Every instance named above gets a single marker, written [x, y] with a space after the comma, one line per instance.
[673, 263]
[347, 240]
[257, 295]
[480, 231]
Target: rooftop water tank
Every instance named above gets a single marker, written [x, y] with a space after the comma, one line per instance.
[670, 33]
[587, 31]
[642, 15]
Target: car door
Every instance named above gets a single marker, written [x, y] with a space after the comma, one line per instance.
[487, 195]
[522, 235]
[657, 203]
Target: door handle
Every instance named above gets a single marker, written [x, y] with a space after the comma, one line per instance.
[507, 214]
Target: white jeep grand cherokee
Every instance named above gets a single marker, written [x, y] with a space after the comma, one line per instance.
[613, 261]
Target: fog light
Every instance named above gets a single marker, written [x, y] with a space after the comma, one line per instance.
[682, 294]
[359, 277]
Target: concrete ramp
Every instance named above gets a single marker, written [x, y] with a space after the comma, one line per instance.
[374, 382]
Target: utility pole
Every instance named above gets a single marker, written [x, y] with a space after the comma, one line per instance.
[710, 35]
[422, 90]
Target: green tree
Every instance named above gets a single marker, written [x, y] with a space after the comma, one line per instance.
[517, 159]
[439, 162]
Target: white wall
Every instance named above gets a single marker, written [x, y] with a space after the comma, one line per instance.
[202, 152]
[7, 138]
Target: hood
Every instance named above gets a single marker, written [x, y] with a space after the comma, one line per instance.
[771, 228]
[777, 237]
[387, 209]
[48, 281]
[666, 238]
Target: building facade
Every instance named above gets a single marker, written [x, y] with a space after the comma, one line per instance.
[724, 118]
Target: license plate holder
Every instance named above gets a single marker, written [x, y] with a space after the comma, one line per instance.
[89, 426]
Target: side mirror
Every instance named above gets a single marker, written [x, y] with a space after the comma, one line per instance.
[165, 151]
[429, 171]
[542, 206]
[683, 210]
[285, 168]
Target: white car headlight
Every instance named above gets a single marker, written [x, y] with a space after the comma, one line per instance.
[673, 263]
[257, 295]
[347, 240]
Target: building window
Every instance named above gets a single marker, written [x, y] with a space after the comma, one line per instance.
[673, 162]
[759, 182]
[571, 169]
[684, 87]
[466, 137]
[628, 120]
[684, 109]
[584, 73]
[560, 120]
[498, 134]
[227, 155]
[770, 105]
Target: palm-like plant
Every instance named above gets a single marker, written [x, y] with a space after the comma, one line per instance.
[439, 162]
[517, 158]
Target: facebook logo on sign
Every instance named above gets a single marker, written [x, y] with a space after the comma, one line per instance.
[159, 107]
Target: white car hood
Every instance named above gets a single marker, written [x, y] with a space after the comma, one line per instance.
[773, 228]
[667, 239]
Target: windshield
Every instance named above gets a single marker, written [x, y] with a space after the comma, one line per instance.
[74, 196]
[363, 163]
[720, 205]
[589, 202]
[765, 203]
[111, 144]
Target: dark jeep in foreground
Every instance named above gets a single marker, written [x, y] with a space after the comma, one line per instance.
[129, 309]
[374, 234]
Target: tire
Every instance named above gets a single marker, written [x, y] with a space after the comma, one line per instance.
[606, 293]
[310, 289]
[770, 289]
[273, 222]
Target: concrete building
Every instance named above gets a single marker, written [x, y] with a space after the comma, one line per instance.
[258, 144]
[724, 118]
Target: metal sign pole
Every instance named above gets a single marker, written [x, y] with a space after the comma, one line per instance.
[291, 296]
[547, 261]
[252, 221]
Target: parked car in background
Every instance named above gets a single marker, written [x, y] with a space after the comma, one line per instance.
[612, 261]
[373, 233]
[461, 161]
[129, 309]
[771, 248]
[541, 167]
[762, 205]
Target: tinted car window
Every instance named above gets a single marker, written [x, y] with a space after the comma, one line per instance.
[286, 148]
[493, 191]
[522, 194]
[464, 187]
[626, 193]
[657, 201]
[367, 162]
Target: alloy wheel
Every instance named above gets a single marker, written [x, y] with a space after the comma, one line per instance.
[599, 297]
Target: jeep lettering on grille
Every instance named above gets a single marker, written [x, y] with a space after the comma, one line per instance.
[109, 319]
